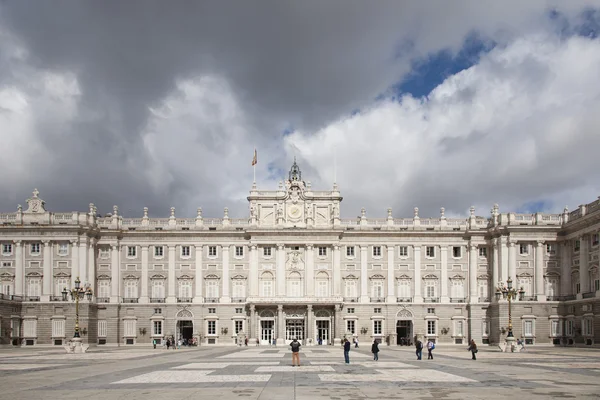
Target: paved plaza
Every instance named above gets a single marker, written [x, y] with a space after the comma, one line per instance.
[266, 373]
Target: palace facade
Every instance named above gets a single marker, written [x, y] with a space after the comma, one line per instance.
[295, 269]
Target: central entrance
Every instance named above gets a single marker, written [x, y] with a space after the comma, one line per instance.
[404, 333]
[266, 332]
[185, 329]
[323, 332]
[294, 329]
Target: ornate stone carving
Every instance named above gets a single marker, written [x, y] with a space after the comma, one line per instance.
[295, 261]
[35, 204]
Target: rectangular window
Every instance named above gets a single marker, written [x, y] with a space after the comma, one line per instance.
[102, 328]
[131, 287]
[577, 245]
[6, 264]
[158, 311]
[212, 327]
[403, 251]
[597, 285]
[104, 252]
[431, 310]
[322, 251]
[103, 287]
[569, 328]
[485, 328]
[322, 288]
[212, 289]
[185, 251]
[239, 326]
[377, 310]
[7, 248]
[212, 310]
[239, 251]
[527, 328]
[58, 328]
[131, 251]
[483, 252]
[430, 251]
[376, 251]
[350, 288]
[130, 325]
[35, 248]
[63, 249]
[404, 288]
[157, 328]
[350, 251]
[350, 310]
[588, 327]
[266, 287]
[430, 327]
[239, 310]
[458, 328]
[351, 326]
[430, 289]
[212, 251]
[239, 289]
[523, 249]
[595, 239]
[456, 252]
[34, 287]
[158, 251]
[377, 327]
[550, 249]
[554, 328]
[266, 252]
[185, 289]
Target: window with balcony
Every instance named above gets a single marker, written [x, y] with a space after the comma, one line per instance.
[457, 290]
[239, 289]
[550, 249]
[294, 285]
[131, 289]
[595, 239]
[34, 287]
[322, 286]
[266, 284]
[404, 289]
[577, 246]
[103, 289]
[212, 288]
[63, 282]
[552, 285]
[350, 288]
[185, 290]
[482, 289]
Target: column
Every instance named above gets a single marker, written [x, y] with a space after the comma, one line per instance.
[252, 328]
[47, 278]
[310, 270]
[495, 265]
[539, 271]
[19, 270]
[338, 322]
[584, 274]
[565, 269]
[364, 279]
[512, 262]
[115, 282]
[391, 295]
[225, 298]
[417, 298]
[503, 259]
[280, 325]
[91, 265]
[83, 258]
[75, 261]
[473, 273]
[309, 324]
[337, 271]
[253, 273]
[280, 276]
[199, 278]
[171, 295]
[444, 274]
[144, 294]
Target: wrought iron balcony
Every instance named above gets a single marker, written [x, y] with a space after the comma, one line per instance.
[102, 299]
[238, 299]
[184, 299]
[553, 298]
[483, 299]
[567, 297]
[457, 299]
[351, 299]
[157, 299]
[529, 298]
[431, 300]
[589, 295]
[404, 299]
[10, 297]
[32, 298]
[377, 299]
[211, 299]
[130, 300]
[56, 298]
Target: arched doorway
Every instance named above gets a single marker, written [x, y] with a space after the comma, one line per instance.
[404, 328]
[185, 325]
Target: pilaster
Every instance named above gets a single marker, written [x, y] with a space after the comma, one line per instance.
[280, 325]
[91, 265]
[503, 259]
[115, 280]
[144, 292]
[47, 277]
[565, 269]
[391, 298]
[280, 276]
[512, 261]
[539, 271]
[337, 271]
[75, 262]
[495, 266]
[19, 268]
[417, 298]
[253, 273]
[225, 297]
[171, 296]
[310, 270]
[444, 274]
[584, 273]
[83, 258]
[473, 273]
[199, 278]
[364, 279]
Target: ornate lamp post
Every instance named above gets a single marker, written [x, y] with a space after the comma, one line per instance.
[509, 293]
[77, 293]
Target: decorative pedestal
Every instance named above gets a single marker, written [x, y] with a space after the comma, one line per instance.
[510, 346]
[76, 346]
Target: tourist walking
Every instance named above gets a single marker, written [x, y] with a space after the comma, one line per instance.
[347, 351]
[430, 347]
[295, 345]
[356, 342]
[419, 347]
[473, 349]
[375, 350]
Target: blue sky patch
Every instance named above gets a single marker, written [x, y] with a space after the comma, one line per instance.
[534, 206]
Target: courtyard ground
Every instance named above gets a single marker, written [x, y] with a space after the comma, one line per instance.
[266, 373]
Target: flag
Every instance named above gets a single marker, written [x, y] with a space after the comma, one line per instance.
[254, 159]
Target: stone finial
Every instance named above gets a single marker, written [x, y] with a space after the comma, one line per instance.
[19, 208]
[308, 185]
[226, 212]
[566, 209]
[416, 210]
[199, 212]
[280, 185]
[115, 211]
[472, 211]
[92, 209]
[172, 212]
[145, 212]
[35, 193]
[442, 212]
[496, 207]
[335, 187]
[363, 212]
[389, 212]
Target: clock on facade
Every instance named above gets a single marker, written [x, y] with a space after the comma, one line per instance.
[294, 211]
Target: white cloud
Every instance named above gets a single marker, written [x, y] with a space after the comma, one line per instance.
[521, 125]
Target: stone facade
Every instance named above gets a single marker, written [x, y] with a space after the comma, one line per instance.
[294, 268]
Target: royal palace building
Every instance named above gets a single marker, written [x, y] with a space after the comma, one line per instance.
[295, 269]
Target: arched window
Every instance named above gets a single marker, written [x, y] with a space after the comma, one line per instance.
[322, 284]
[267, 284]
[294, 284]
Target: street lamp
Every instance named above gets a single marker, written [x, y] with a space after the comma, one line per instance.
[77, 293]
[509, 293]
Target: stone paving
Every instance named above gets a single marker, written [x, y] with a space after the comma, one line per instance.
[266, 373]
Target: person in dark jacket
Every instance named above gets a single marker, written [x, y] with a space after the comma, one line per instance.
[347, 351]
[473, 349]
[295, 351]
[375, 350]
[419, 348]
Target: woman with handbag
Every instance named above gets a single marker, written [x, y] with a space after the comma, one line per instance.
[473, 349]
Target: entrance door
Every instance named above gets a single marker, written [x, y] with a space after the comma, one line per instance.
[186, 330]
[266, 332]
[294, 329]
[323, 331]
[403, 333]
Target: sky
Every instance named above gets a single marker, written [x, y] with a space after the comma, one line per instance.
[404, 104]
